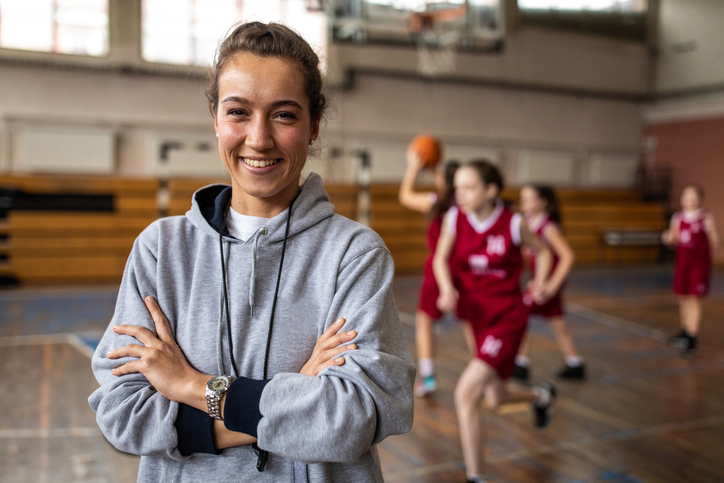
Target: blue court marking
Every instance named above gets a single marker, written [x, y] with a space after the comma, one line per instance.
[90, 341]
[57, 312]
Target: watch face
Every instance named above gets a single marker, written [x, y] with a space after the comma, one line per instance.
[218, 383]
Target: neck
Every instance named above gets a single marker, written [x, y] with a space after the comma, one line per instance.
[486, 210]
[267, 207]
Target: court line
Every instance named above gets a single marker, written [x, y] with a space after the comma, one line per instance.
[616, 322]
[49, 433]
[652, 300]
[575, 444]
[74, 340]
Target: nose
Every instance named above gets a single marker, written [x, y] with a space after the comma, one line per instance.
[259, 136]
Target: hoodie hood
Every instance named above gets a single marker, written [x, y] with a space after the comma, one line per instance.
[211, 203]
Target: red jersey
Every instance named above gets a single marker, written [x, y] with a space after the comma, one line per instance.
[693, 240]
[538, 227]
[486, 256]
[433, 233]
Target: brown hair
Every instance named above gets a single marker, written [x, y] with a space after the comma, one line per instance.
[697, 188]
[547, 194]
[270, 40]
[487, 172]
[447, 198]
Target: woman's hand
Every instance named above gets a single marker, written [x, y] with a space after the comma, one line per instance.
[159, 358]
[448, 300]
[328, 346]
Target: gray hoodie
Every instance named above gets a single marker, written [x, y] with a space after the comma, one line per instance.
[322, 428]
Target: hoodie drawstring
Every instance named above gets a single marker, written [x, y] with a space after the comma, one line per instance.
[252, 283]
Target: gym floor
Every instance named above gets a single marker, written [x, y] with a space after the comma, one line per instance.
[644, 414]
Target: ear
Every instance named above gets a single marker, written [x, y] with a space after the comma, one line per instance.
[492, 191]
[216, 125]
[315, 130]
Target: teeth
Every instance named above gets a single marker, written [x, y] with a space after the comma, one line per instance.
[259, 164]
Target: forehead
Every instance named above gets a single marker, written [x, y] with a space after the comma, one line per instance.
[262, 78]
[466, 175]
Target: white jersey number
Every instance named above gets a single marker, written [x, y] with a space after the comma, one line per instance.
[496, 245]
[491, 346]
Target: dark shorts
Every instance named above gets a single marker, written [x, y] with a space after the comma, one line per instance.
[499, 323]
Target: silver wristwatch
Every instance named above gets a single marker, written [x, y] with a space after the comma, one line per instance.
[215, 388]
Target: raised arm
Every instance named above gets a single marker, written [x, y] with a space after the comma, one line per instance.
[421, 202]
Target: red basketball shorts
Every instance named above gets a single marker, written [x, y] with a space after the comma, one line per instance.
[692, 277]
[553, 307]
[429, 292]
[499, 323]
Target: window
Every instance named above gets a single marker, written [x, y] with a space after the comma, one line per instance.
[589, 5]
[187, 32]
[612, 18]
[388, 21]
[62, 26]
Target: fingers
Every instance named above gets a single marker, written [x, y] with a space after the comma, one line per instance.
[331, 338]
[333, 329]
[331, 353]
[127, 368]
[163, 330]
[339, 361]
[133, 350]
[143, 335]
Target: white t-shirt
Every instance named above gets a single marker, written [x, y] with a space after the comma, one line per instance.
[243, 227]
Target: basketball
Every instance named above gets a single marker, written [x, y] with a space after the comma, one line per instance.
[428, 148]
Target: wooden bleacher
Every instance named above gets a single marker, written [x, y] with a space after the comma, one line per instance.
[76, 246]
[587, 214]
[50, 245]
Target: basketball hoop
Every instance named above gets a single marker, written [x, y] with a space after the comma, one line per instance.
[437, 32]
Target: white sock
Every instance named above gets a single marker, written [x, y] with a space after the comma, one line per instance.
[476, 478]
[522, 361]
[574, 361]
[427, 367]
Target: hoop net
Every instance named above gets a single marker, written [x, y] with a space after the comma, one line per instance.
[436, 55]
[437, 37]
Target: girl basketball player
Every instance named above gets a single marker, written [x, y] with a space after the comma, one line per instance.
[540, 213]
[435, 205]
[693, 233]
[481, 243]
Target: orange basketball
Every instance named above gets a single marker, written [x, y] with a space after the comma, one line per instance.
[428, 148]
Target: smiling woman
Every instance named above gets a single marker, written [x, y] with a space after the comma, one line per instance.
[263, 386]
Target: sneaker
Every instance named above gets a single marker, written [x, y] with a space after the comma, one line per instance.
[577, 373]
[679, 340]
[544, 403]
[426, 386]
[520, 373]
[689, 350]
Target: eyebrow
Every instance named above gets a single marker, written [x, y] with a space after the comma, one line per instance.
[284, 102]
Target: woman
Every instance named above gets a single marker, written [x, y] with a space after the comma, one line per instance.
[433, 204]
[249, 280]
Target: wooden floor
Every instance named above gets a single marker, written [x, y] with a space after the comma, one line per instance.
[644, 415]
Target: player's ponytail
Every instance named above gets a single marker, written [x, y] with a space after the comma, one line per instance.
[447, 199]
[546, 193]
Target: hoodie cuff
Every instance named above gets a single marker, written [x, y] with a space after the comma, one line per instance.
[195, 431]
[241, 408]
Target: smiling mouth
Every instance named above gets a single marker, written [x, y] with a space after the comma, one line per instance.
[259, 163]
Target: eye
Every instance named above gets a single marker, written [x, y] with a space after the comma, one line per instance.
[236, 112]
[286, 116]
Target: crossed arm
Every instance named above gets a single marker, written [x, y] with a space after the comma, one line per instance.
[162, 362]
